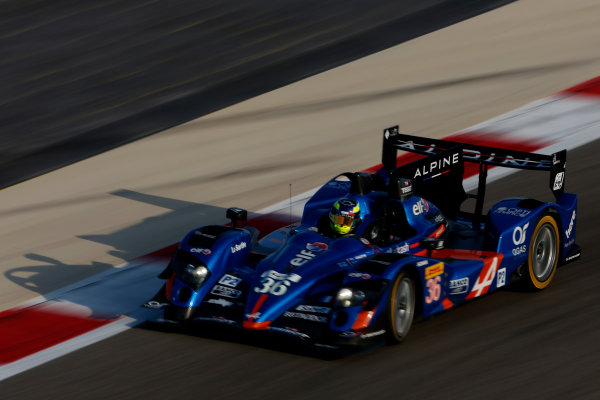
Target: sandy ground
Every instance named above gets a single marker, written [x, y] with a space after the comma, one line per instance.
[98, 213]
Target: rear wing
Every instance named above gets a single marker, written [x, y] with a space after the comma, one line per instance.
[446, 156]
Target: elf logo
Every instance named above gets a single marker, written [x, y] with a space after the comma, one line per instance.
[420, 207]
[308, 253]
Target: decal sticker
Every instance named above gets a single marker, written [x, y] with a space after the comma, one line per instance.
[501, 278]
[359, 275]
[308, 253]
[436, 166]
[254, 315]
[199, 250]
[290, 331]
[308, 317]
[519, 234]
[276, 283]
[438, 232]
[434, 270]
[380, 262]
[519, 250]
[204, 234]
[570, 229]
[155, 305]
[420, 207]
[555, 160]
[405, 248]
[338, 184]
[422, 263]
[558, 181]
[354, 260]
[230, 280]
[317, 246]
[573, 257]
[485, 279]
[237, 247]
[220, 302]
[372, 334]
[513, 211]
[459, 286]
[434, 289]
[313, 309]
[439, 219]
[225, 291]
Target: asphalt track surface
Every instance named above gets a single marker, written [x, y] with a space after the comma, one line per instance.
[79, 78]
[510, 344]
[507, 345]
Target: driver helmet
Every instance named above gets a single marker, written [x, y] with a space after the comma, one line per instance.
[344, 216]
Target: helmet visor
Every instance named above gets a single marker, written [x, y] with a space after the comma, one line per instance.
[345, 220]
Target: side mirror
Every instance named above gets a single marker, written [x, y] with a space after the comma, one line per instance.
[236, 214]
[430, 244]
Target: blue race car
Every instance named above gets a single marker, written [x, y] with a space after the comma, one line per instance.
[375, 251]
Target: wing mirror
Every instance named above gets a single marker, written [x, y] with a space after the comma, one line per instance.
[430, 244]
[236, 214]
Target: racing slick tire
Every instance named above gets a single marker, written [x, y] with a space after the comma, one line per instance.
[401, 308]
[542, 259]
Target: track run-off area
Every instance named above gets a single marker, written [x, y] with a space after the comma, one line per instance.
[528, 94]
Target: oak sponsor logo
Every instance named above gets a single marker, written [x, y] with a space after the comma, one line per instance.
[519, 234]
[518, 237]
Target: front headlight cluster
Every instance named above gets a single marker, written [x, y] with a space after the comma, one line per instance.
[194, 275]
[348, 297]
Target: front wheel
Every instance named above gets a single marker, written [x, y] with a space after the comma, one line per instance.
[401, 308]
[542, 259]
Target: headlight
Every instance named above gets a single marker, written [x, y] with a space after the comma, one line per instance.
[347, 297]
[194, 275]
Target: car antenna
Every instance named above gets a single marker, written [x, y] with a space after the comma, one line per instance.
[290, 206]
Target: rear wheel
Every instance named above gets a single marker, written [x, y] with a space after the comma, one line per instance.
[401, 308]
[542, 259]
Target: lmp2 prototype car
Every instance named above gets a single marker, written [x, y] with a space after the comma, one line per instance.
[413, 254]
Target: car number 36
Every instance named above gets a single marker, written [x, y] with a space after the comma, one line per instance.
[272, 286]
